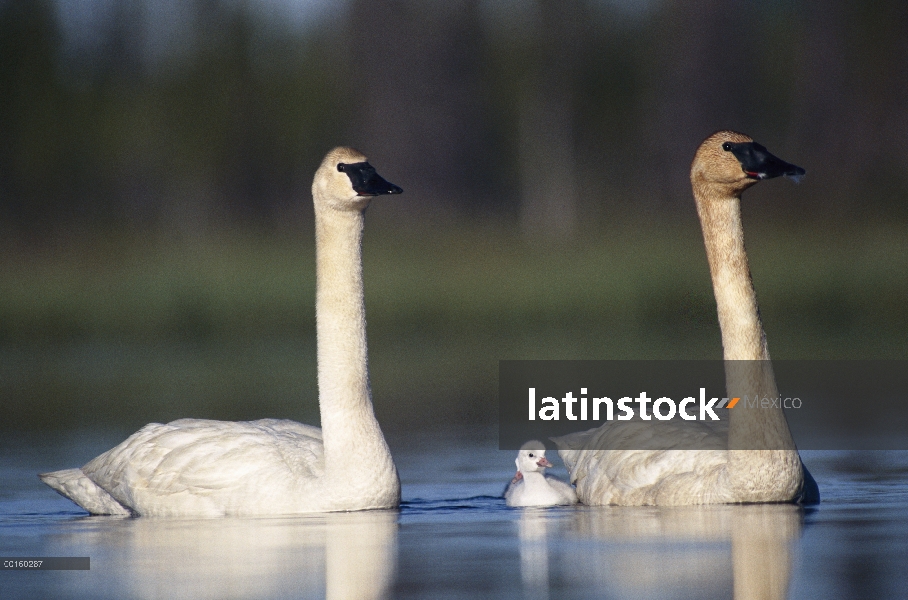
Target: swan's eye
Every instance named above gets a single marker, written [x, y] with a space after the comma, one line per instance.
[531, 456]
[341, 167]
[727, 146]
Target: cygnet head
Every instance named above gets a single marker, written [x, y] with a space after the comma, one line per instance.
[734, 161]
[531, 458]
[346, 181]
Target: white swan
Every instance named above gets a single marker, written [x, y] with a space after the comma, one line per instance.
[725, 164]
[210, 468]
[531, 486]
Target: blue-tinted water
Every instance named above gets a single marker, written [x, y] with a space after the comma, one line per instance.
[453, 537]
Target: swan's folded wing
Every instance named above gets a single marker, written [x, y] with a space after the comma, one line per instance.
[73, 484]
[611, 465]
[192, 466]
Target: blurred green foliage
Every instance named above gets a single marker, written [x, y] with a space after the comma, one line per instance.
[223, 327]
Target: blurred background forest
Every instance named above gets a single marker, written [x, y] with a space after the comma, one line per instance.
[156, 255]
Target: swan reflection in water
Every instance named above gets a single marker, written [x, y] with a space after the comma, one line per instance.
[638, 549]
[330, 555]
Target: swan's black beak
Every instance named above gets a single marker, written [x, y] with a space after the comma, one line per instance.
[365, 181]
[758, 163]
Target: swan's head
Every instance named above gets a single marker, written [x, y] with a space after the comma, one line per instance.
[733, 160]
[531, 458]
[346, 181]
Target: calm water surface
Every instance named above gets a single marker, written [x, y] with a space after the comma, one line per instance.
[453, 537]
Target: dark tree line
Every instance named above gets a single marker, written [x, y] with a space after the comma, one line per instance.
[544, 112]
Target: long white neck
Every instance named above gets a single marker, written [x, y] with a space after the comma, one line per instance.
[739, 317]
[355, 449]
[771, 469]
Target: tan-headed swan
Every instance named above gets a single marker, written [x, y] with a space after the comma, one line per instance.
[770, 469]
[195, 467]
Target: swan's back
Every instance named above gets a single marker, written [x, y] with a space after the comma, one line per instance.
[638, 477]
[211, 468]
[650, 477]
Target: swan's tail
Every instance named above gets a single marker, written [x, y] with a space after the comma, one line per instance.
[73, 484]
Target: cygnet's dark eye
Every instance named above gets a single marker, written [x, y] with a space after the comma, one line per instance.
[531, 455]
[341, 167]
[727, 146]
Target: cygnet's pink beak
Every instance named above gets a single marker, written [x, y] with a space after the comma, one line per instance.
[517, 477]
[543, 462]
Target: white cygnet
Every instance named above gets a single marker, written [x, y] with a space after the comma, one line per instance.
[531, 486]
